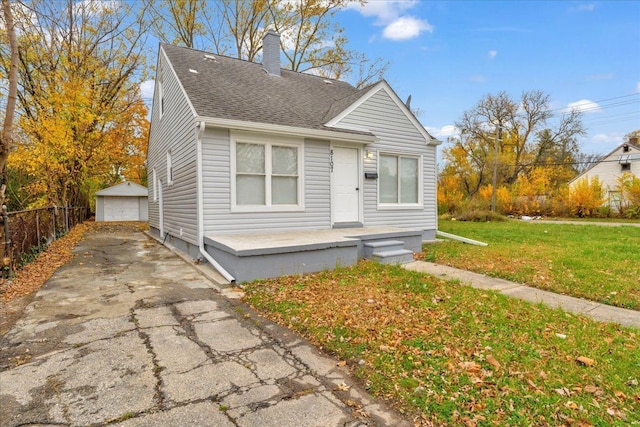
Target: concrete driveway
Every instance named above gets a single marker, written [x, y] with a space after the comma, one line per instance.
[129, 334]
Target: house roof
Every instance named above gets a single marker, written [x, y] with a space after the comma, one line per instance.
[124, 189]
[238, 90]
[630, 157]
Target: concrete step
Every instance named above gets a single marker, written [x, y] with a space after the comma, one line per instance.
[396, 256]
[371, 248]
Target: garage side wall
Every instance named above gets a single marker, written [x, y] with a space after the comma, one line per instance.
[99, 208]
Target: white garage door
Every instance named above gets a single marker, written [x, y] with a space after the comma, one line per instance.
[121, 209]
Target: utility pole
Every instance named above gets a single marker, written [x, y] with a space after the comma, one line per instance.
[494, 182]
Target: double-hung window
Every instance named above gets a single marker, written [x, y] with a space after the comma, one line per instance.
[399, 182]
[267, 175]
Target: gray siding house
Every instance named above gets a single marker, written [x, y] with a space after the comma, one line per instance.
[262, 171]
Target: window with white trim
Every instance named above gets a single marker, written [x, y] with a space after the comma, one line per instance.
[267, 175]
[399, 180]
[169, 168]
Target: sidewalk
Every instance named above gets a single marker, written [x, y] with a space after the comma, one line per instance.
[595, 310]
[600, 223]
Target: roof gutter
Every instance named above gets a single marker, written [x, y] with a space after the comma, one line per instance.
[361, 138]
[205, 254]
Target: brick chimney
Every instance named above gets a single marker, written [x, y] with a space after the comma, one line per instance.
[271, 53]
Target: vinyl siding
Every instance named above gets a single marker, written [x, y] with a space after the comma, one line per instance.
[175, 131]
[218, 217]
[396, 135]
[609, 170]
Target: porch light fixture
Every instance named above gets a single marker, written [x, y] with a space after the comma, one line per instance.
[368, 154]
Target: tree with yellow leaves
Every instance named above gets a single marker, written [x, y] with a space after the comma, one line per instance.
[82, 120]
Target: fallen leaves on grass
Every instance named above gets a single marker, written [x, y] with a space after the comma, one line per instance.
[586, 361]
[433, 348]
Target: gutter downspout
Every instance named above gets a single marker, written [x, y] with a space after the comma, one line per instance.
[204, 253]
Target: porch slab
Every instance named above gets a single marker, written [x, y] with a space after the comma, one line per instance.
[248, 244]
[255, 256]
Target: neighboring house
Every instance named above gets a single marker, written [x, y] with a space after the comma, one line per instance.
[251, 151]
[126, 201]
[624, 158]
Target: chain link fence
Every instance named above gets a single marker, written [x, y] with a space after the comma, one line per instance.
[24, 233]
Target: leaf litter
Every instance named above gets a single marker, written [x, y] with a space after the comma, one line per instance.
[452, 355]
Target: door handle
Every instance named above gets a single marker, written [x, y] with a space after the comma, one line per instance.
[357, 188]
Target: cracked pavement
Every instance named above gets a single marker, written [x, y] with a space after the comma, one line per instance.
[129, 334]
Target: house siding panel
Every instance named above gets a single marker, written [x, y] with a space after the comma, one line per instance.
[176, 131]
[609, 169]
[396, 134]
[218, 217]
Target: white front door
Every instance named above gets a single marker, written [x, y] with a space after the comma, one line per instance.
[345, 182]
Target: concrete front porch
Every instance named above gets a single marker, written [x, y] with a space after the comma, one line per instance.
[255, 256]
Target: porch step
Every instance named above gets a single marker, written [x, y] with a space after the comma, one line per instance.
[388, 252]
[371, 248]
[398, 256]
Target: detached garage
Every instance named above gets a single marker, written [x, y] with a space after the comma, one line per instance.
[123, 202]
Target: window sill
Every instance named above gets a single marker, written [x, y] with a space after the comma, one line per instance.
[261, 209]
[400, 207]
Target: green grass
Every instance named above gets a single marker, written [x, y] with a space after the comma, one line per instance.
[588, 261]
[447, 354]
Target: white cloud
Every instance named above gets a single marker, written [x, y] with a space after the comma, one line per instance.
[385, 11]
[444, 132]
[392, 15]
[607, 138]
[638, 87]
[584, 106]
[146, 89]
[406, 27]
[492, 54]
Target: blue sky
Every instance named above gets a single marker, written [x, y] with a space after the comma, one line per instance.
[449, 54]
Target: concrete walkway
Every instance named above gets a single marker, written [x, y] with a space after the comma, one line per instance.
[597, 311]
[128, 334]
[600, 223]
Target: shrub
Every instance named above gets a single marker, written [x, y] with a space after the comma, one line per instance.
[586, 197]
[475, 215]
[629, 189]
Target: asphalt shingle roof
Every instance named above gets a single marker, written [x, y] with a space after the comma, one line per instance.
[235, 89]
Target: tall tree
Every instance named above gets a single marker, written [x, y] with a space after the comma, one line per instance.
[79, 95]
[6, 136]
[311, 41]
[178, 21]
[516, 137]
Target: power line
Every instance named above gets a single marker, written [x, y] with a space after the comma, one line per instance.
[563, 109]
[575, 162]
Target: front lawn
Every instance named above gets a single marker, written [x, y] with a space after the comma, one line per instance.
[588, 261]
[448, 354]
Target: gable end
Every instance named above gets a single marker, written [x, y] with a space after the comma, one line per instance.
[384, 86]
